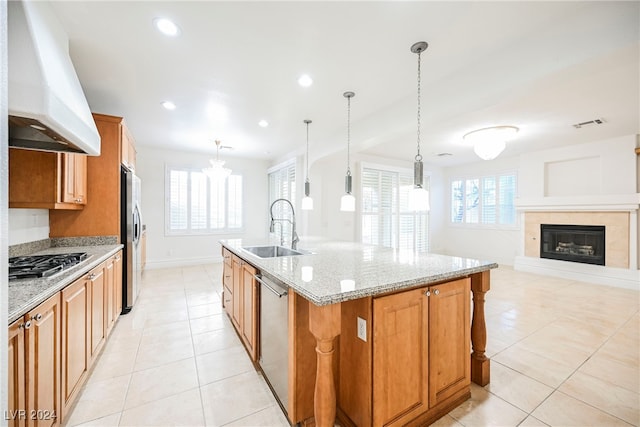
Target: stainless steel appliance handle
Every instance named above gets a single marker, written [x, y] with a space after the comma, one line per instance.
[268, 286]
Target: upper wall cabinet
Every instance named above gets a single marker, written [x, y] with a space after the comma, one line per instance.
[44, 180]
[128, 149]
[101, 215]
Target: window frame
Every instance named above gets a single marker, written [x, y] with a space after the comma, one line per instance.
[208, 230]
[480, 224]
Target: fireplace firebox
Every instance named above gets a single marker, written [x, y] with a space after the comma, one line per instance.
[575, 243]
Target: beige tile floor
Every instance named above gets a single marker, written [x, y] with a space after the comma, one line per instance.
[564, 353]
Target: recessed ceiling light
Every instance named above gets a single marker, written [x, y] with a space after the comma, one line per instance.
[305, 81]
[263, 123]
[168, 105]
[166, 27]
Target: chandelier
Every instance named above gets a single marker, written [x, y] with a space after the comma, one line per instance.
[217, 169]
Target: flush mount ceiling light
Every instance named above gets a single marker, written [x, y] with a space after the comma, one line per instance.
[305, 80]
[217, 171]
[307, 201]
[489, 142]
[166, 27]
[348, 202]
[263, 123]
[419, 197]
[168, 105]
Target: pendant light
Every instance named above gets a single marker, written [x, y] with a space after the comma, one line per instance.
[348, 202]
[419, 196]
[307, 201]
[217, 169]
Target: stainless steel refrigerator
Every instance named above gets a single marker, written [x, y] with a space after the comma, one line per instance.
[130, 232]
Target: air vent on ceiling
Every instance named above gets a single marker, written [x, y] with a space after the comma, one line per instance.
[444, 154]
[590, 122]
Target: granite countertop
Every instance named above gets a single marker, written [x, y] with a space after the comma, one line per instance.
[340, 271]
[26, 294]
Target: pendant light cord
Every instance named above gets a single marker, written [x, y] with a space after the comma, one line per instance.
[348, 135]
[419, 156]
[307, 122]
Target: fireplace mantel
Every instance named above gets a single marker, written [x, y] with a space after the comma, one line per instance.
[608, 202]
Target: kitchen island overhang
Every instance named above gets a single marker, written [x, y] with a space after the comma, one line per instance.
[330, 273]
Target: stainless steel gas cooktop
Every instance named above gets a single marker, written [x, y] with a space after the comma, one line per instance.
[35, 266]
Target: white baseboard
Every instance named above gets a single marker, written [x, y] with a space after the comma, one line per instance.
[597, 274]
[182, 262]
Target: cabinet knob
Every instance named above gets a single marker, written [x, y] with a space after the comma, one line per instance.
[118, 258]
[437, 292]
[79, 200]
[91, 276]
[37, 317]
[427, 293]
[26, 325]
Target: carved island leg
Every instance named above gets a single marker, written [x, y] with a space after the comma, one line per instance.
[480, 372]
[324, 324]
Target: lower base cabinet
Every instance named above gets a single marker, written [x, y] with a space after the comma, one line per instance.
[34, 367]
[416, 360]
[52, 348]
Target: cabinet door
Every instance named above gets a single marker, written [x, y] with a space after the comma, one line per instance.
[74, 178]
[76, 311]
[237, 293]
[117, 278]
[400, 357]
[97, 289]
[16, 389]
[110, 295]
[249, 310]
[43, 363]
[449, 338]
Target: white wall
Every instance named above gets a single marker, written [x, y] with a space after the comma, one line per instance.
[167, 251]
[610, 166]
[28, 225]
[493, 244]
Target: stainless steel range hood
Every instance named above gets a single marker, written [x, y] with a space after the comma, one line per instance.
[47, 106]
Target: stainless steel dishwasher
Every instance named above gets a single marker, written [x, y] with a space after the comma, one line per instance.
[274, 345]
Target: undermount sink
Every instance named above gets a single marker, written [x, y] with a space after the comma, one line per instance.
[271, 251]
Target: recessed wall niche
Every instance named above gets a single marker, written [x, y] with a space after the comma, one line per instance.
[573, 177]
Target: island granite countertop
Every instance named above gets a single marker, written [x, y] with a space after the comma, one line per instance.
[330, 271]
[26, 294]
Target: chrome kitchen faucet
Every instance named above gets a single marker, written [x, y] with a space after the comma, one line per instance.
[294, 235]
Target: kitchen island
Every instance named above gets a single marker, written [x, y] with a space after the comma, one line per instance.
[385, 331]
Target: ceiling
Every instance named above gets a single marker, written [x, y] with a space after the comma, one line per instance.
[540, 66]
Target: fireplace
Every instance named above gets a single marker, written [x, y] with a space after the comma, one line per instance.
[575, 243]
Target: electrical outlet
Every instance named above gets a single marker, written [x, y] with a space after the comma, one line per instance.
[362, 329]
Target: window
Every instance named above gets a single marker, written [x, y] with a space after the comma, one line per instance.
[282, 185]
[199, 204]
[386, 217]
[487, 200]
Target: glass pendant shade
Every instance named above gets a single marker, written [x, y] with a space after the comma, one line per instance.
[419, 200]
[307, 201]
[348, 203]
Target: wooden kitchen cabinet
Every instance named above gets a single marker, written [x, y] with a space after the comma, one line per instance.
[34, 367]
[97, 288]
[101, 214]
[400, 357]
[249, 327]
[236, 306]
[113, 291]
[227, 283]
[127, 149]
[16, 389]
[240, 299]
[76, 336]
[416, 358]
[45, 180]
